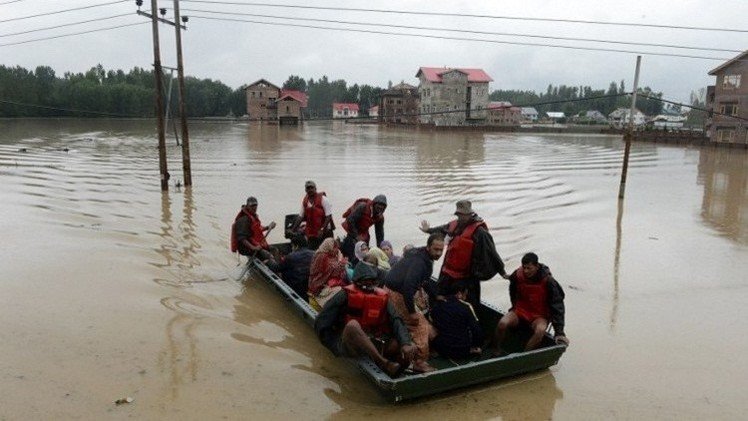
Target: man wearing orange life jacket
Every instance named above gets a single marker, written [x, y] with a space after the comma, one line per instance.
[249, 232]
[537, 299]
[316, 212]
[471, 254]
[360, 314]
[359, 217]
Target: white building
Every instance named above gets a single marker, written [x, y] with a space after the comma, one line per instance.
[529, 114]
[620, 118]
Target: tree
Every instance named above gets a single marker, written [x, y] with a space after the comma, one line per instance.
[295, 82]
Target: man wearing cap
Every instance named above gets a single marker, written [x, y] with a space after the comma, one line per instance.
[316, 212]
[362, 214]
[248, 231]
[361, 314]
[471, 254]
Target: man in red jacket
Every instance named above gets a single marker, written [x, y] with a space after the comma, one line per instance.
[537, 299]
[316, 212]
[250, 233]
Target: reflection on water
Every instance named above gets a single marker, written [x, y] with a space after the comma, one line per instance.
[724, 175]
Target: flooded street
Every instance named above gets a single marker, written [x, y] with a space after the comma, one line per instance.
[111, 288]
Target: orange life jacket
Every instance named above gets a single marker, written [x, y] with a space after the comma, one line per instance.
[314, 214]
[254, 223]
[366, 220]
[459, 254]
[368, 308]
[532, 298]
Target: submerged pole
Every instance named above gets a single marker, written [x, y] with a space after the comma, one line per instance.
[630, 132]
[158, 75]
[186, 163]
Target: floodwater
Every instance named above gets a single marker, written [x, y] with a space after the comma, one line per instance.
[110, 288]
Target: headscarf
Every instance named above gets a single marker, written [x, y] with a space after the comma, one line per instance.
[328, 263]
[358, 250]
[384, 260]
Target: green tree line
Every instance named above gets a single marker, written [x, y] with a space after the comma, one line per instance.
[41, 93]
[581, 99]
[323, 92]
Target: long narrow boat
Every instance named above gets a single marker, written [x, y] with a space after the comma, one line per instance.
[450, 374]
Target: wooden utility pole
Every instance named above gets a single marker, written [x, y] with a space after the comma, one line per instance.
[186, 166]
[630, 132]
[159, 100]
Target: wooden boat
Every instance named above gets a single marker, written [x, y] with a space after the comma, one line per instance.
[450, 374]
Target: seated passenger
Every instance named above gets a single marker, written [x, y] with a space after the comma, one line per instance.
[403, 282]
[247, 232]
[458, 334]
[294, 268]
[537, 299]
[359, 314]
[383, 261]
[327, 274]
[374, 261]
[392, 258]
[359, 252]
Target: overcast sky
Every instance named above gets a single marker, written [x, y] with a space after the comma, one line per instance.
[237, 53]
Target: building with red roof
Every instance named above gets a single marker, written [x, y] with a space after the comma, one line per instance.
[344, 110]
[451, 96]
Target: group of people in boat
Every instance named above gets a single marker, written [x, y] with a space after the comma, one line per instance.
[375, 303]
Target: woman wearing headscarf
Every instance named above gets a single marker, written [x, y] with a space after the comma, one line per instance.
[386, 247]
[327, 274]
[359, 251]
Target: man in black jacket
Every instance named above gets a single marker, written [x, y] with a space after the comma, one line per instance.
[407, 277]
[294, 268]
[471, 255]
[350, 339]
[537, 299]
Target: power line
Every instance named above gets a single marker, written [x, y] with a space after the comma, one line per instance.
[62, 11]
[67, 109]
[73, 34]
[9, 2]
[64, 25]
[410, 12]
[692, 107]
[433, 28]
[530, 44]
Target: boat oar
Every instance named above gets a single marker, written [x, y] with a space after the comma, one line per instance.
[240, 271]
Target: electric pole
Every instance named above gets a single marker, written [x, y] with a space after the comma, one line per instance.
[630, 132]
[158, 73]
[159, 100]
[186, 166]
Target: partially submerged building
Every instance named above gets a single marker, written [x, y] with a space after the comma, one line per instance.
[268, 102]
[728, 101]
[453, 96]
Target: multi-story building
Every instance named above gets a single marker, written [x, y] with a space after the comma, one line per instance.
[399, 104]
[453, 96]
[267, 102]
[261, 98]
[728, 101]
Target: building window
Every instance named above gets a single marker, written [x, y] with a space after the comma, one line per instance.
[725, 135]
[253, 94]
[260, 94]
[729, 109]
[399, 102]
[731, 81]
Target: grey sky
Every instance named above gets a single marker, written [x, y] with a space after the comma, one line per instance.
[238, 53]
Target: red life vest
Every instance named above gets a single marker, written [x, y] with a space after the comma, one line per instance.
[532, 298]
[314, 214]
[459, 254]
[366, 220]
[368, 308]
[254, 223]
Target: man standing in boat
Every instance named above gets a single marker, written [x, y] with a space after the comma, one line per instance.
[316, 212]
[471, 255]
[537, 299]
[248, 235]
[359, 217]
[358, 315]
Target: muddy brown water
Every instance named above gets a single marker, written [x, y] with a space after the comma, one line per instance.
[111, 288]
